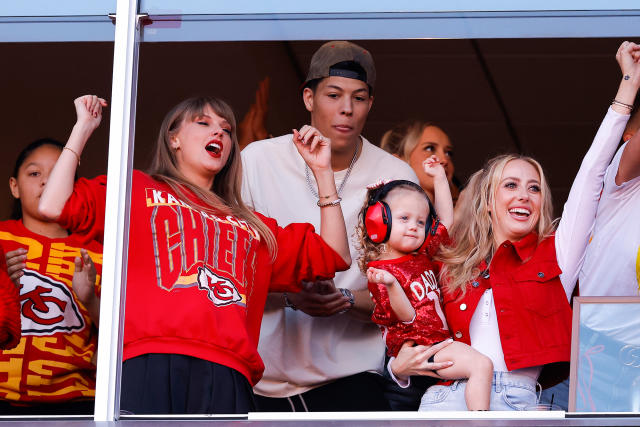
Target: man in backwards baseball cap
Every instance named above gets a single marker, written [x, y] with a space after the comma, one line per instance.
[342, 59]
[321, 350]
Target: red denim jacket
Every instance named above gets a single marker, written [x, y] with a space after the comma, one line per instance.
[534, 316]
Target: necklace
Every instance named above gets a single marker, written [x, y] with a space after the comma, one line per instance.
[344, 181]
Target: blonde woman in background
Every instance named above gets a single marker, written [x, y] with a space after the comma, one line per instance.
[415, 141]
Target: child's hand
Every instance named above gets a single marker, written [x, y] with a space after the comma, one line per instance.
[433, 167]
[84, 279]
[89, 110]
[16, 264]
[375, 275]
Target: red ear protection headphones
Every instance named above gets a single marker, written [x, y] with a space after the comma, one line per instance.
[377, 216]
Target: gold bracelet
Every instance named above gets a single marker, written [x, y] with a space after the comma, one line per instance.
[76, 154]
[336, 202]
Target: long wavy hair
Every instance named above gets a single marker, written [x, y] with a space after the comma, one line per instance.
[224, 197]
[472, 233]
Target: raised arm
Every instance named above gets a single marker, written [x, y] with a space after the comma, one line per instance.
[60, 183]
[578, 216]
[315, 149]
[629, 167]
[443, 202]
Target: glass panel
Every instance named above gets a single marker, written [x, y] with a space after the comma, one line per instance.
[218, 54]
[457, 83]
[57, 8]
[70, 29]
[608, 374]
[40, 82]
[65, 20]
[361, 6]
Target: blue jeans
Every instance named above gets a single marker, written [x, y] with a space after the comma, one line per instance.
[558, 395]
[509, 392]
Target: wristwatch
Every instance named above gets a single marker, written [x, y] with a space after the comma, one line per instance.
[288, 303]
[347, 293]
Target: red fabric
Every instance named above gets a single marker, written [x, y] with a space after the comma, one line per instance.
[84, 213]
[197, 283]
[9, 309]
[418, 277]
[533, 313]
[55, 359]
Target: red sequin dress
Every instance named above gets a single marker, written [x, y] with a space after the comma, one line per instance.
[417, 274]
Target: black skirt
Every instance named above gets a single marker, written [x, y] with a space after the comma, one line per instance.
[178, 384]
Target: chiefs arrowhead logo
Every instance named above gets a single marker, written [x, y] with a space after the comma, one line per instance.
[47, 306]
[219, 289]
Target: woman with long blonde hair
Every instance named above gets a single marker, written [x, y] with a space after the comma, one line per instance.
[200, 262]
[510, 275]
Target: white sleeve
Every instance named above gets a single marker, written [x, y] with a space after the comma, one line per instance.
[578, 215]
[247, 197]
[404, 384]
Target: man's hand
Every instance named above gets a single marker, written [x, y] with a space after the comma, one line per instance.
[314, 148]
[319, 299]
[414, 360]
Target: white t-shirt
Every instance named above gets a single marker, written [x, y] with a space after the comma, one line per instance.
[612, 263]
[301, 352]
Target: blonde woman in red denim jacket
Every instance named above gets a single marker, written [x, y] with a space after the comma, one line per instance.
[510, 276]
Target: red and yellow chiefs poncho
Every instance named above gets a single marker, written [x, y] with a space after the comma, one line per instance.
[54, 360]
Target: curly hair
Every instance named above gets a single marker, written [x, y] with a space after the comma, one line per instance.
[369, 250]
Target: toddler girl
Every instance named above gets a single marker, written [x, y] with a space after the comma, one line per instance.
[400, 234]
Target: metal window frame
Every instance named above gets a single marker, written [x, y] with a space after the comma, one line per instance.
[116, 230]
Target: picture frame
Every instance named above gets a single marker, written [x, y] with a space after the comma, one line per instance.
[605, 355]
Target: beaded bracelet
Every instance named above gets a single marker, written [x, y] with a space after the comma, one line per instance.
[336, 202]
